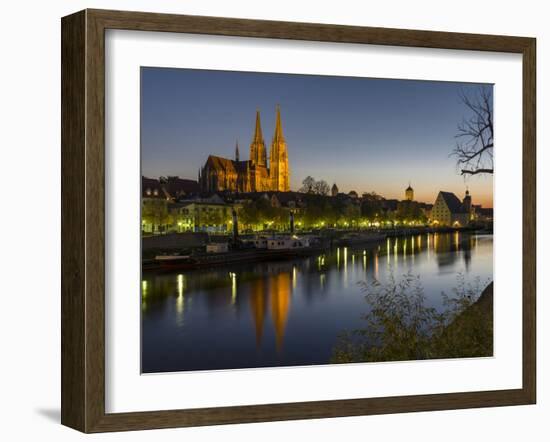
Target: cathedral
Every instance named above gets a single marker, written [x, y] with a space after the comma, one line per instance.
[254, 174]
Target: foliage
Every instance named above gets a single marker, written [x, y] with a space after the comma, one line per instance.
[212, 218]
[155, 213]
[472, 324]
[408, 210]
[326, 211]
[371, 207]
[400, 326]
[258, 213]
[316, 209]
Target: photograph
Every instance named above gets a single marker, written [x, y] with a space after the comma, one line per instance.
[262, 221]
[302, 220]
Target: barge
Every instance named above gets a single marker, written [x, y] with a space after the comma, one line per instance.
[273, 249]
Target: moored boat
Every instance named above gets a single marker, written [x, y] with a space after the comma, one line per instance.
[286, 249]
[173, 260]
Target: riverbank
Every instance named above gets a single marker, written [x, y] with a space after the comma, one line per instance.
[172, 242]
[401, 327]
[470, 334]
[191, 247]
[206, 260]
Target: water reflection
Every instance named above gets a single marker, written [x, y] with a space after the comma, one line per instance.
[288, 312]
[258, 308]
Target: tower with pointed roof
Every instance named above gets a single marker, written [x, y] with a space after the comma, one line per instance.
[257, 146]
[278, 158]
[253, 175]
[409, 193]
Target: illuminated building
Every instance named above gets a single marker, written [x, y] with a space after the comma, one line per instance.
[448, 210]
[409, 193]
[254, 174]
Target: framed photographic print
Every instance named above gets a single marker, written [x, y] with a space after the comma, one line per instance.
[269, 220]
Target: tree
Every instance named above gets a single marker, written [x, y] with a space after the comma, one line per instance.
[474, 147]
[312, 186]
[350, 214]
[371, 196]
[308, 185]
[321, 187]
[409, 210]
[314, 214]
[260, 213]
[213, 218]
[155, 212]
[371, 205]
[249, 215]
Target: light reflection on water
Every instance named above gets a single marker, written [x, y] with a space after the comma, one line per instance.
[290, 312]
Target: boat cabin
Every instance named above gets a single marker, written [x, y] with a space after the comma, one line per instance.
[288, 243]
[217, 247]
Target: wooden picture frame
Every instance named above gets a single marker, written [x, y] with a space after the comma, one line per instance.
[83, 220]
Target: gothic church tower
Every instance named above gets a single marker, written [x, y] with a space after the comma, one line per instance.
[279, 172]
[257, 147]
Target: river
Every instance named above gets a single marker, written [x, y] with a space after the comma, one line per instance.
[288, 313]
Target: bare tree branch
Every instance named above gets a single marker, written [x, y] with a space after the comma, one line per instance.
[474, 147]
[475, 172]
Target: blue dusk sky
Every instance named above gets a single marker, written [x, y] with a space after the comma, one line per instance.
[362, 134]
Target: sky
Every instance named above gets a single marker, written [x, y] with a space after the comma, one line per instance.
[363, 134]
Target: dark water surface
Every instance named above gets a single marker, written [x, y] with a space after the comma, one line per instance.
[285, 313]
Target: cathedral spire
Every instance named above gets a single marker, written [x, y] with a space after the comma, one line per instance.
[257, 147]
[278, 137]
[237, 151]
[278, 165]
[258, 136]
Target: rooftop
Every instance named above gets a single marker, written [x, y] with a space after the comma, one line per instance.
[452, 202]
